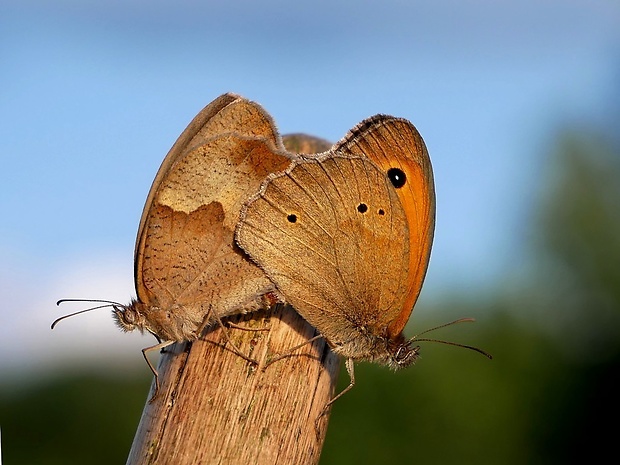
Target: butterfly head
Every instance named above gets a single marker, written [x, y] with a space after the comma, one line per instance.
[130, 317]
[403, 354]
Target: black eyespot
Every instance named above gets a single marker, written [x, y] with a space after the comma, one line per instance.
[292, 218]
[381, 211]
[362, 208]
[397, 177]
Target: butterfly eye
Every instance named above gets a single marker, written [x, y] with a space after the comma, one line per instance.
[405, 355]
[130, 317]
[362, 208]
[397, 177]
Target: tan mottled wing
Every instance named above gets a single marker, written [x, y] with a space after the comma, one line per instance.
[332, 235]
[187, 226]
[229, 113]
[395, 143]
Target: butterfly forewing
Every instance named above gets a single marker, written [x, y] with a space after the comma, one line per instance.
[187, 264]
[395, 143]
[332, 235]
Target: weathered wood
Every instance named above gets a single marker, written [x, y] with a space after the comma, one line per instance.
[214, 407]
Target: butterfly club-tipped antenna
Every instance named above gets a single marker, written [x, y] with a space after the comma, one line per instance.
[417, 338]
[107, 303]
[117, 307]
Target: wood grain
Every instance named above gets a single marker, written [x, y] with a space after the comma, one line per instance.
[214, 407]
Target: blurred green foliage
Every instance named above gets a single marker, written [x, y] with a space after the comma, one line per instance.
[72, 419]
[548, 396]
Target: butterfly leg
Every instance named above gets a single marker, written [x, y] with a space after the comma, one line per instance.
[350, 369]
[232, 344]
[157, 346]
[290, 351]
[208, 319]
[230, 324]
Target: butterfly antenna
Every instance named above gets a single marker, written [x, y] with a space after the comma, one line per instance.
[464, 346]
[450, 323]
[108, 303]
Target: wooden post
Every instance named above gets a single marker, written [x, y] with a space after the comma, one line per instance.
[214, 407]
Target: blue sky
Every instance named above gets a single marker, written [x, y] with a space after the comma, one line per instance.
[93, 94]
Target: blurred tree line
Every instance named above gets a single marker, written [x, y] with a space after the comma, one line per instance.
[549, 395]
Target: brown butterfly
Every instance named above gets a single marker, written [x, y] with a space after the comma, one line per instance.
[346, 238]
[189, 272]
